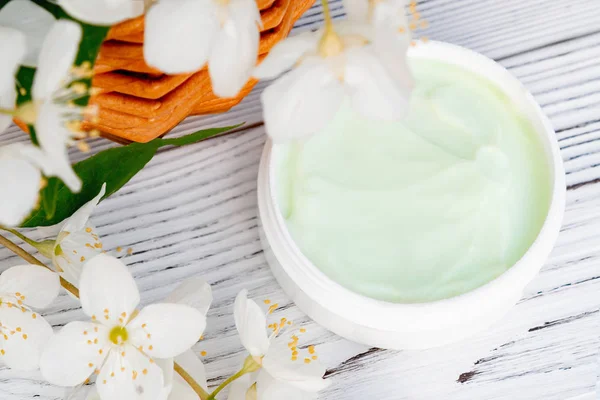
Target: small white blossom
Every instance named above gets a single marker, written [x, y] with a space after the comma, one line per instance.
[51, 110]
[284, 373]
[349, 62]
[182, 36]
[103, 12]
[23, 333]
[119, 344]
[77, 242]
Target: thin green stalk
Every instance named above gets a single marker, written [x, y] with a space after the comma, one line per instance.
[18, 234]
[251, 364]
[222, 386]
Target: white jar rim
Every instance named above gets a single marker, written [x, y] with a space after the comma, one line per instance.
[323, 299]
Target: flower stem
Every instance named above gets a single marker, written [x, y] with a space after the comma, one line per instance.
[330, 44]
[190, 381]
[40, 246]
[222, 386]
[250, 365]
[327, 15]
[32, 260]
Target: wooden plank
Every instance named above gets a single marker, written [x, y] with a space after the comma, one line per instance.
[193, 211]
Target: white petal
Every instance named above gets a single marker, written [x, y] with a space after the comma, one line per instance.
[279, 364]
[102, 12]
[239, 388]
[22, 337]
[78, 221]
[129, 377]
[250, 322]
[235, 49]
[390, 46]
[12, 43]
[179, 35]
[166, 365]
[166, 330]
[107, 285]
[72, 251]
[194, 367]
[357, 10]
[52, 135]
[270, 388]
[285, 54]
[38, 285]
[30, 19]
[194, 292]
[73, 354]
[391, 15]
[302, 102]
[373, 91]
[77, 242]
[56, 58]
[19, 185]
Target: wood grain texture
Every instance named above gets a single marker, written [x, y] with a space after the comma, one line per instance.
[193, 211]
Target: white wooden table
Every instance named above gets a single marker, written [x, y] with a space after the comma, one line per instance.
[193, 211]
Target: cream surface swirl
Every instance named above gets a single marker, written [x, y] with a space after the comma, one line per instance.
[424, 209]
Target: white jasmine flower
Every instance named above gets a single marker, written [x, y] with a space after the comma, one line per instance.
[284, 373]
[51, 111]
[194, 292]
[345, 63]
[118, 344]
[13, 45]
[20, 181]
[181, 36]
[76, 242]
[30, 19]
[103, 12]
[23, 333]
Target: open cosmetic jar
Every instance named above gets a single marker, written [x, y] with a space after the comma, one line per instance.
[414, 325]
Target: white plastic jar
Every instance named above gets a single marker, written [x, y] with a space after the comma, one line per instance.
[424, 325]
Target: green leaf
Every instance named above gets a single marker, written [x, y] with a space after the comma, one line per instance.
[24, 83]
[49, 194]
[198, 136]
[114, 166]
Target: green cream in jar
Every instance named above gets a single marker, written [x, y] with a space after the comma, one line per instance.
[423, 209]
